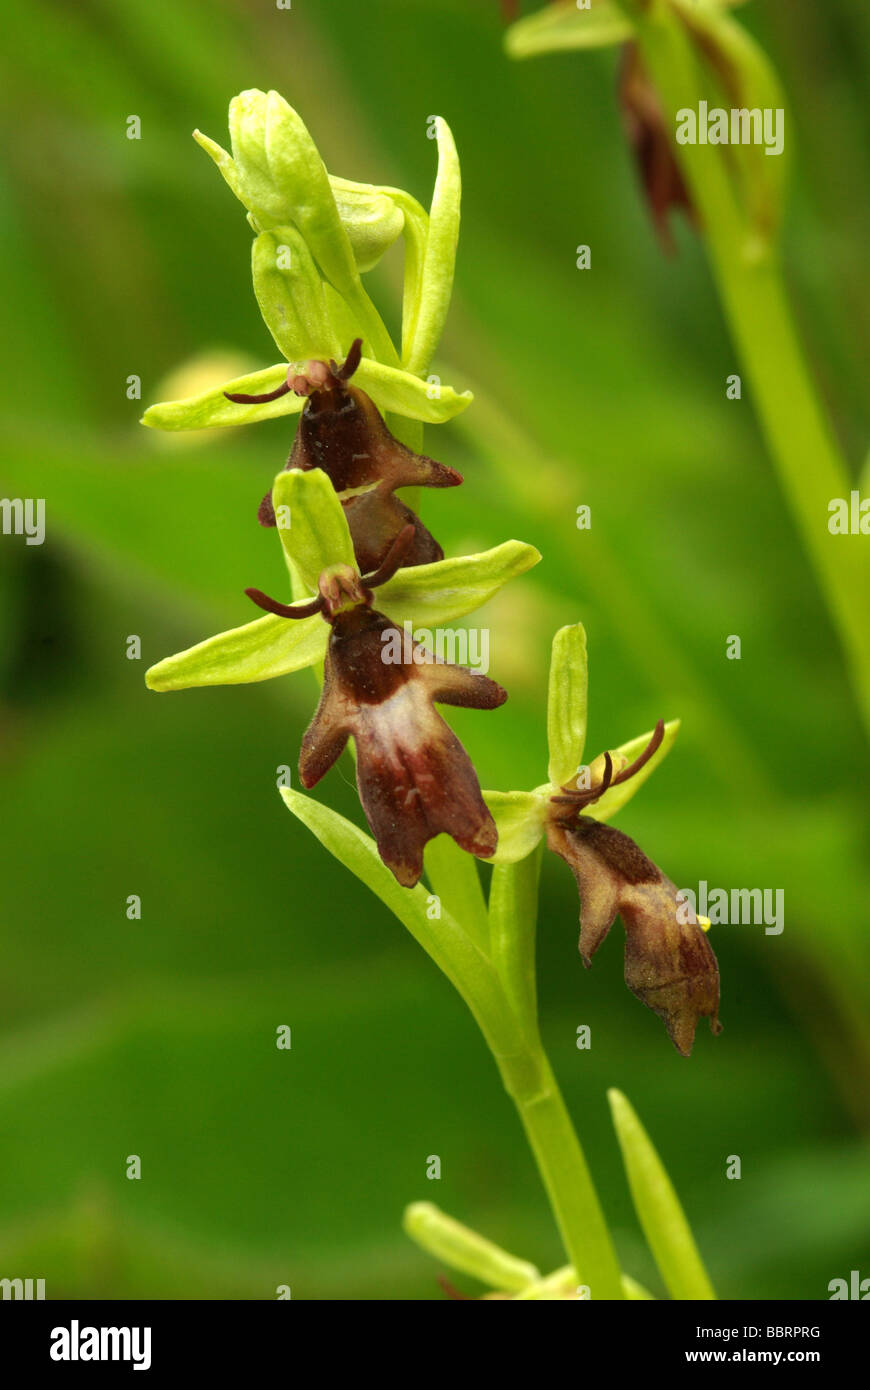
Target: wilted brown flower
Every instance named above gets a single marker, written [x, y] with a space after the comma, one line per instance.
[650, 140]
[414, 777]
[669, 963]
[342, 431]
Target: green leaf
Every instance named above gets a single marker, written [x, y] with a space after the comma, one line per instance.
[370, 217]
[311, 524]
[658, 1207]
[561, 27]
[617, 797]
[567, 704]
[290, 294]
[268, 647]
[211, 408]
[461, 1248]
[436, 279]
[428, 595]
[443, 939]
[520, 818]
[452, 875]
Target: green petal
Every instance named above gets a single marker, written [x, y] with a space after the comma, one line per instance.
[566, 704]
[370, 217]
[614, 800]
[560, 27]
[658, 1207]
[267, 647]
[520, 818]
[313, 529]
[290, 294]
[436, 279]
[427, 595]
[211, 408]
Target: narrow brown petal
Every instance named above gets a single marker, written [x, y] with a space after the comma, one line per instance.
[652, 145]
[669, 964]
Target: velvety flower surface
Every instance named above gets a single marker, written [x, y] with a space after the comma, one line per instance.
[669, 963]
[415, 779]
[343, 433]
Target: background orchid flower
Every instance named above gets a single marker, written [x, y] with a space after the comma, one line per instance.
[669, 963]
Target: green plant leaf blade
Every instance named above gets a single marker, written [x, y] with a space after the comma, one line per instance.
[443, 939]
[567, 704]
[211, 408]
[428, 595]
[459, 1247]
[658, 1207]
[268, 647]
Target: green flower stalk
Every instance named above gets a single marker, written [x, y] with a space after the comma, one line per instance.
[689, 56]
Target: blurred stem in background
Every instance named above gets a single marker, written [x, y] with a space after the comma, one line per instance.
[695, 53]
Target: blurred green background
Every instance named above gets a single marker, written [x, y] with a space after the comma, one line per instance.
[157, 1037]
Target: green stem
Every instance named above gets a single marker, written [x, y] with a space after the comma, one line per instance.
[529, 1080]
[531, 1084]
[749, 279]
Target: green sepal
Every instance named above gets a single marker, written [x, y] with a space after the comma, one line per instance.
[258, 651]
[428, 595]
[391, 389]
[567, 704]
[311, 524]
[521, 819]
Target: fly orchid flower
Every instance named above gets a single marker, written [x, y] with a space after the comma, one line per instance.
[414, 777]
[669, 964]
[343, 432]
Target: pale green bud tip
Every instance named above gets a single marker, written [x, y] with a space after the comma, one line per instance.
[461, 1248]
